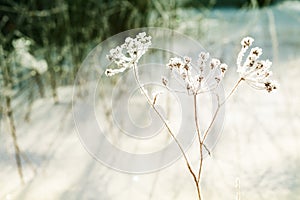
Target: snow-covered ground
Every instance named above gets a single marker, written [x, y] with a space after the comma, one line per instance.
[259, 146]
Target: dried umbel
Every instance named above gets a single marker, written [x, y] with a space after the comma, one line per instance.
[198, 83]
[129, 53]
[254, 71]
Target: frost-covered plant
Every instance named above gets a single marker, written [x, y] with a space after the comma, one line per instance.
[128, 54]
[26, 59]
[253, 71]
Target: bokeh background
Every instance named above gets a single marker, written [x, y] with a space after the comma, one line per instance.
[42, 46]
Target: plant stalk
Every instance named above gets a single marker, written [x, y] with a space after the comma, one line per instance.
[135, 70]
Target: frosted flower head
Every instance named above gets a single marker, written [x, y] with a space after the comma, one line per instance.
[223, 68]
[129, 53]
[175, 63]
[271, 85]
[254, 71]
[247, 42]
[214, 63]
[194, 83]
[203, 57]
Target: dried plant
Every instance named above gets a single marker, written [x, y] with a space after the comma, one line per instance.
[254, 72]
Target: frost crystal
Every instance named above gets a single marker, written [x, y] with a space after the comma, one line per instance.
[129, 53]
[255, 72]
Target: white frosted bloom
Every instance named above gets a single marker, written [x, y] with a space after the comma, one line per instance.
[245, 43]
[254, 71]
[129, 53]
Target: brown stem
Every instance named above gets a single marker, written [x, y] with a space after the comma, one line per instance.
[8, 84]
[199, 138]
[219, 106]
[168, 128]
[53, 79]
[14, 136]
[197, 124]
[200, 163]
[196, 118]
[53, 85]
[29, 106]
[158, 113]
[232, 90]
[198, 190]
[210, 125]
[40, 84]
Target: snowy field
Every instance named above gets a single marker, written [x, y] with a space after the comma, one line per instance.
[256, 157]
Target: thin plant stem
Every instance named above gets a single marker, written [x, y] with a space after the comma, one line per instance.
[168, 128]
[9, 110]
[219, 106]
[199, 137]
[232, 90]
[15, 140]
[211, 123]
[196, 118]
[40, 84]
[200, 162]
[203, 140]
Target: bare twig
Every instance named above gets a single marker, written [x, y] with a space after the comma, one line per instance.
[196, 118]
[14, 136]
[232, 90]
[199, 137]
[135, 70]
[218, 108]
[9, 111]
[211, 123]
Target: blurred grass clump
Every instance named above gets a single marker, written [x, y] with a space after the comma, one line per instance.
[43, 43]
